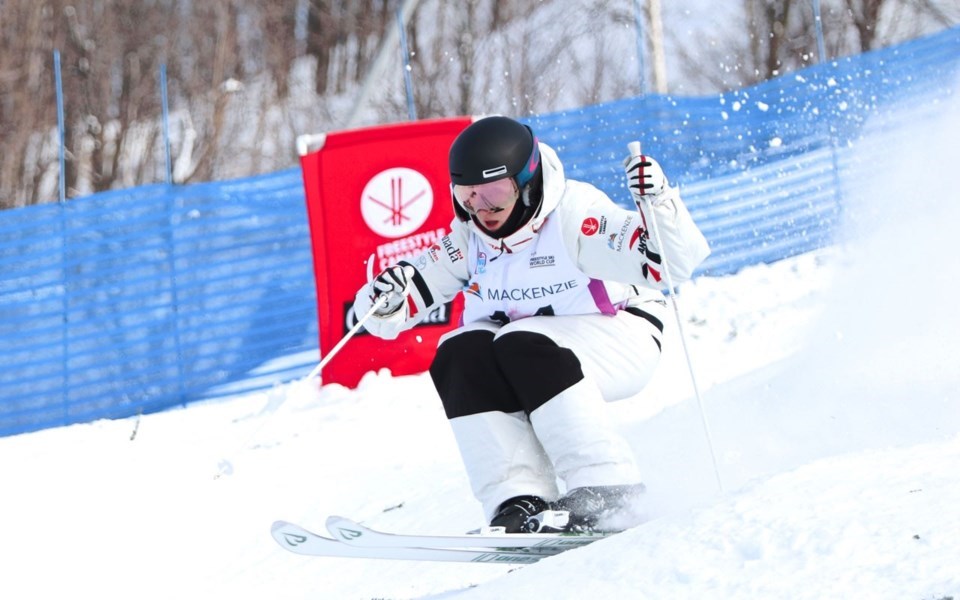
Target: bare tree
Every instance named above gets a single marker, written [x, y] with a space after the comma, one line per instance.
[865, 16]
[26, 107]
[757, 39]
[277, 38]
[767, 21]
[246, 76]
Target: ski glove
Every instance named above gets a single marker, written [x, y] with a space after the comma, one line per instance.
[645, 179]
[388, 320]
[394, 283]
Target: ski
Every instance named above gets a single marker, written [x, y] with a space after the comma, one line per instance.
[545, 544]
[298, 540]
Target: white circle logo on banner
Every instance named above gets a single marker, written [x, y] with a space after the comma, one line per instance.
[396, 202]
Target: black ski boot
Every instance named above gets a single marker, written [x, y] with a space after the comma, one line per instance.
[599, 508]
[514, 514]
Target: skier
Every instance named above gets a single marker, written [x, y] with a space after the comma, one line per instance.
[563, 311]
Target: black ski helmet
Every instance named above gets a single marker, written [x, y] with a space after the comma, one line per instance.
[494, 148]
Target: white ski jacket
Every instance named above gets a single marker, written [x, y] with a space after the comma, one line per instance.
[579, 254]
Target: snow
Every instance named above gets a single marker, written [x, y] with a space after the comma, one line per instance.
[830, 387]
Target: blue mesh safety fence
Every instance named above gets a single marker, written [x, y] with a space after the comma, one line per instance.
[138, 300]
[143, 299]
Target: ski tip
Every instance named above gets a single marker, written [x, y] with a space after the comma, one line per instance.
[342, 528]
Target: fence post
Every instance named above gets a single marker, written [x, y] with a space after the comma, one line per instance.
[171, 201]
[408, 82]
[60, 124]
[65, 271]
[818, 24]
[166, 122]
[638, 16]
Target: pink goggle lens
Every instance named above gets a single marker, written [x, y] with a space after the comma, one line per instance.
[494, 196]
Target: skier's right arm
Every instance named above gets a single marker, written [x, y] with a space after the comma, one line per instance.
[416, 286]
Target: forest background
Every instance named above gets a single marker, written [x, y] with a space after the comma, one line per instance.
[245, 78]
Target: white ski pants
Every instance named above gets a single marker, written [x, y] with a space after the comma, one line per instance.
[569, 436]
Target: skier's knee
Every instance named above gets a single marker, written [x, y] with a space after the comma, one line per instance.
[467, 377]
[535, 366]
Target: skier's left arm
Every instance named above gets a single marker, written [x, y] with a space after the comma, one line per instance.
[622, 246]
[660, 206]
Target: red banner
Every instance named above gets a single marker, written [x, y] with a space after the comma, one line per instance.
[376, 196]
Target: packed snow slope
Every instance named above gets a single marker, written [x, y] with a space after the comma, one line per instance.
[830, 383]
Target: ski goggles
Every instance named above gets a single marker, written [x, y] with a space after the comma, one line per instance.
[494, 196]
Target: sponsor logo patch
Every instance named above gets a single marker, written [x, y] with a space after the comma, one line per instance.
[481, 263]
[453, 253]
[542, 261]
[474, 290]
[590, 226]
